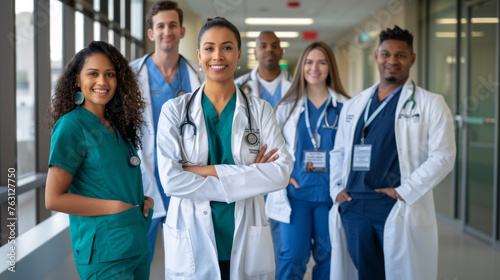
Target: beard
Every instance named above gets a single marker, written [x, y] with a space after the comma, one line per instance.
[391, 79]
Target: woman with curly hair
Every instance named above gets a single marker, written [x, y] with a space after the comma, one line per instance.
[94, 173]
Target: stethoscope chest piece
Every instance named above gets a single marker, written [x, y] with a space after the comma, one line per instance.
[134, 161]
[252, 139]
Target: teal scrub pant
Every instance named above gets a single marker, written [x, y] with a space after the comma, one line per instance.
[133, 268]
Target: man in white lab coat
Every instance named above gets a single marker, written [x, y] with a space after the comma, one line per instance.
[268, 80]
[162, 75]
[394, 145]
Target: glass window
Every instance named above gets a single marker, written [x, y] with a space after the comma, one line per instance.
[56, 43]
[79, 44]
[123, 18]
[111, 10]
[123, 43]
[25, 88]
[111, 36]
[97, 5]
[441, 72]
[137, 19]
[97, 31]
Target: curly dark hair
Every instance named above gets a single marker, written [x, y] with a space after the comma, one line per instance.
[396, 34]
[124, 110]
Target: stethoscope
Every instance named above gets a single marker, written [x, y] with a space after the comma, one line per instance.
[134, 160]
[411, 98]
[251, 137]
[327, 125]
[179, 90]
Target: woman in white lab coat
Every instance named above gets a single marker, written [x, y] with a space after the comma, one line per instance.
[211, 159]
[308, 115]
[426, 147]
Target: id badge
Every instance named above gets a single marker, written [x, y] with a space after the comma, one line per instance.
[314, 161]
[361, 157]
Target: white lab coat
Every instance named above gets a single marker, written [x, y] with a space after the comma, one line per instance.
[250, 82]
[277, 204]
[188, 232]
[426, 150]
[148, 138]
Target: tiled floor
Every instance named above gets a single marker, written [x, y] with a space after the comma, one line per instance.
[461, 257]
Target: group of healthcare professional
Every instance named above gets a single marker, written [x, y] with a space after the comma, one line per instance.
[347, 180]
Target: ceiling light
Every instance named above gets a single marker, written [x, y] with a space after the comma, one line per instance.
[279, 21]
[463, 20]
[283, 44]
[279, 34]
[484, 20]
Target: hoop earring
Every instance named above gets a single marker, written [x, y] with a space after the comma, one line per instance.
[238, 67]
[78, 98]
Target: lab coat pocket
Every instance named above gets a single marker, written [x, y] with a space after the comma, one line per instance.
[124, 235]
[259, 256]
[179, 260]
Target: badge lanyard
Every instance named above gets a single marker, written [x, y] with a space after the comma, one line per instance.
[368, 121]
[315, 138]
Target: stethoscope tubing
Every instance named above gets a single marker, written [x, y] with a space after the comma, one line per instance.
[251, 137]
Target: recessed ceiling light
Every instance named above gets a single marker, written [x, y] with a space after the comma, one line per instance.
[283, 44]
[279, 21]
[279, 34]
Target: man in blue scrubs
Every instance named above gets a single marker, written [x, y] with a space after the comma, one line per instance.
[163, 75]
[395, 143]
[268, 80]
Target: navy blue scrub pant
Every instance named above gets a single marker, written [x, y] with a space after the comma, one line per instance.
[308, 221]
[364, 221]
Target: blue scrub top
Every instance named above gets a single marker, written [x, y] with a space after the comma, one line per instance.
[98, 161]
[384, 164]
[314, 187]
[219, 131]
[161, 92]
[272, 99]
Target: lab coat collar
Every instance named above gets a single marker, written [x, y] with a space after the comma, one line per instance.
[240, 102]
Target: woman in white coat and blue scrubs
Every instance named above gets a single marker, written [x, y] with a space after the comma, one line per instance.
[394, 144]
[308, 115]
[211, 146]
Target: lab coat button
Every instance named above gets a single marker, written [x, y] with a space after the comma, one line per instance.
[205, 212]
[234, 252]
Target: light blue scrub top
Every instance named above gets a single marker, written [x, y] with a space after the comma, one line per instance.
[98, 161]
[161, 92]
[314, 187]
[219, 131]
[272, 99]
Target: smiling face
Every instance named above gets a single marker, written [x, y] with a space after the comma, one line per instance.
[394, 59]
[167, 31]
[315, 68]
[219, 54]
[268, 51]
[97, 81]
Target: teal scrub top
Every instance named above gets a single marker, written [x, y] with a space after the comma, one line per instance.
[98, 161]
[219, 142]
